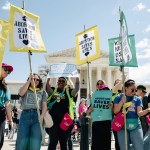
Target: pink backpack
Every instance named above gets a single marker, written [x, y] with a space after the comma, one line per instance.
[148, 119]
[66, 122]
[118, 122]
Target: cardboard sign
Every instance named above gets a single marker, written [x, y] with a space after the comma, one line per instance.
[4, 29]
[100, 101]
[87, 46]
[63, 70]
[24, 31]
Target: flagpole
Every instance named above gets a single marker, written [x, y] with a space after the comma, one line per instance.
[123, 80]
[88, 71]
[35, 94]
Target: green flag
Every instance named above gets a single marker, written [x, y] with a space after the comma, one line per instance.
[115, 55]
[126, 49]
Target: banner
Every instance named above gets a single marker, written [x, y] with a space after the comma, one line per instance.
[127, 55]
[87, 46]
[115, 57]
[100, 101]
[4, 28]
[24, 31]
[63, 70]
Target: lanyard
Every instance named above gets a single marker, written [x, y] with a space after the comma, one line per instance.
[56, 100]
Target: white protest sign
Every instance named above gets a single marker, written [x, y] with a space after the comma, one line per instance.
[63, 70]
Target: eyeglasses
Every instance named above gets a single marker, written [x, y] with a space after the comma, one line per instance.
[61, 81]
[6, 69]
[36, 79]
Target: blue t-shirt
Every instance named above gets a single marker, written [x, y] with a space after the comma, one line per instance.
[132, 110]
[4, 97]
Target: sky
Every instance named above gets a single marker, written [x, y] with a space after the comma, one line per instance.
[61, 20]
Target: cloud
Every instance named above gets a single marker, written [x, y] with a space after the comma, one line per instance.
[148, 10]
[148, 28]
[145, 43]
[143, 54]
[140, 74]
[139, 7]
[6, 6]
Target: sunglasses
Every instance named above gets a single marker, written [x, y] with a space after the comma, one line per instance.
[61, 81]
[6, 69]
[36, 79]
[133, 90]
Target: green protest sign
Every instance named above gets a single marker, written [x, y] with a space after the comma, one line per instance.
[100, 101]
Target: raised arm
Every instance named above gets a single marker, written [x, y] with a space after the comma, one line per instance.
[25, 87]
[49, 90]
[76, 89]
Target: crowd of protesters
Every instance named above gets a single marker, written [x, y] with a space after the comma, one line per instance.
[127, 98]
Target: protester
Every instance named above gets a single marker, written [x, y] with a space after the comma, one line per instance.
[141, 93]
[29, 133]
[134, 130]
[5, 106]
[15, 114]
[60, 104]
[101, 130]
[19, 111]
[117, 89]
[82, 107]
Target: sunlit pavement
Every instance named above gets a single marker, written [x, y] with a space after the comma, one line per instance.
[9, 144]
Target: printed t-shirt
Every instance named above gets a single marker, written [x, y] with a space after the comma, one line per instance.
[27, 100]
[132, 110]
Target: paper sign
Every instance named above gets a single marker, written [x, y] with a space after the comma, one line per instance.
[63, 70]
[87, 46]
[100, 101]
[4, 29]
[24, 31]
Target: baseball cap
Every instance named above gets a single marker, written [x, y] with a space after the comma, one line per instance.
[8, 66]
[142, 87]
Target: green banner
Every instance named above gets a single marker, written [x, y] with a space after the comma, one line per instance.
[115, 57]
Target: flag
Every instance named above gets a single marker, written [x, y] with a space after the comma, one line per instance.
[4, 28]
[24, 31]
[87, 46]
[127, 55]
[115, 54]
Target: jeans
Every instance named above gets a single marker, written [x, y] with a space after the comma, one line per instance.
[29, 135]
[134, 136]
[147, 140]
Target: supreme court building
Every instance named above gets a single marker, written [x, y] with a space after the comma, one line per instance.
[98, 69]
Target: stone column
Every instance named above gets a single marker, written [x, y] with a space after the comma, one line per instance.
[99, 73]
[109, 78]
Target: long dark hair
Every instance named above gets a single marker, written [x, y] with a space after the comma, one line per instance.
[3, 85]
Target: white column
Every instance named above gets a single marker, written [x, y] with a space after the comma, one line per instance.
[109, 78]
[99, 74]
